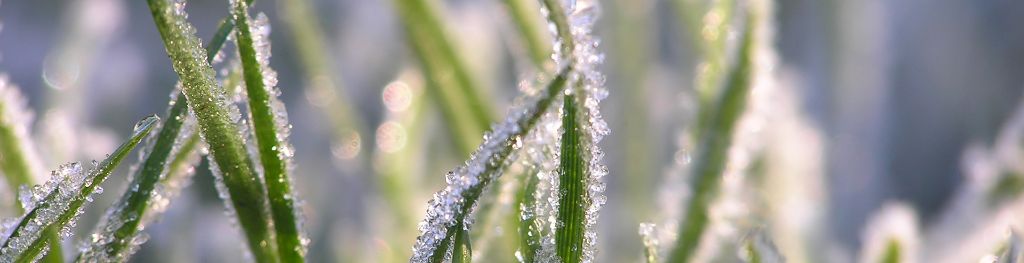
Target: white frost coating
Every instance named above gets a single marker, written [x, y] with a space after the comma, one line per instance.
[15, 116]
[895, 222]
[543, 152]
[58, 193]
[173, 177]
[260, 28]
[587, 82]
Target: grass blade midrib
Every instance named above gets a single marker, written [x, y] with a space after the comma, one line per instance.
[275, 170]
[246, 191]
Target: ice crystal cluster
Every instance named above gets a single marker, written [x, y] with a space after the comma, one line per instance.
[13, 116]
[44, 203]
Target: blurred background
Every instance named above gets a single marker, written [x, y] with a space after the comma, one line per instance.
[897, 90]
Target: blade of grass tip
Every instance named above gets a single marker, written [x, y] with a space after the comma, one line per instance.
[448, 210]
[117, 237]
[648, 233]
[18, 160]
[711, 160]
[321, 82]
[229, 158]
[172, 151]
[892, 252]
[270, 123]
[572, 183]
[464, 107]
[529, 30]
[58, 204]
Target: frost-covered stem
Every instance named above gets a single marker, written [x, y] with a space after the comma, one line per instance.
[270, 140]
[247, 192]
[449, 82]
[73, 207]
[572, 200]
[708, 31]
[529, 30]
[320, 78]
[494, 162]
[713, 152]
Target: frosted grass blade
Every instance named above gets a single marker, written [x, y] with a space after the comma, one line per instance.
[208, 103]
[19, 162]
[450, 83]
[714, 144]
[270, 124]
[57, 205]
[448, 211]
[1013, 249]
[572, 183]
[529, 231]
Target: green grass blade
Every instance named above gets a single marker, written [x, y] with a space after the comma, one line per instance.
[227, 150]
[450, 83]
[892, 252]
[758, 248]
[572, 199]
[713, 149]
[270, 125]
[448, 210]
[649, 236]
[65, 195]
[18, 161]
[523, 16]
[558, 16]
[135, 205]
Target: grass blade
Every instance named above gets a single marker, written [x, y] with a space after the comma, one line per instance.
[59, 203]
[270, 124]
[1013, 249]
[447, 211]
[758, 248]
[529, 231]
[463, 252]
[207, 102]
[713, 147]
[19, 162]
[572, 183]
[449, 81]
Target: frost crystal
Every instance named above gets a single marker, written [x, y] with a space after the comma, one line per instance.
[59, 192]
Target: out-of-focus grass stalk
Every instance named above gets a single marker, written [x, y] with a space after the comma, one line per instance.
[461, 101]
[247, 192]
[271, 140]
[708, 32]
[56, 224]
[322, 81]
[528, 24]
[713, 150]
[18, 159]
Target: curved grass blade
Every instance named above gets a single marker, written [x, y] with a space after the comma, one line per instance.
[450, 84]
[208, 103]
[19, 162]
[572, 200]
[713, 147]
[65, 194]
[448, 210]
[270, 124]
